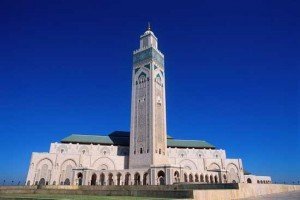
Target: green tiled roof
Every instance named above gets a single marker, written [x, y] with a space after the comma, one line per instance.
[246, 172]
[189, 143]
[121, 138]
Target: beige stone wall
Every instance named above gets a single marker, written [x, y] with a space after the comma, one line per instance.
[245, 190]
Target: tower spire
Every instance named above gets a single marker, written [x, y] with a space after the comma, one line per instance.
[149, 26]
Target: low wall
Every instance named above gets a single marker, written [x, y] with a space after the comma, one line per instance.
[245, 190]
[186, 191]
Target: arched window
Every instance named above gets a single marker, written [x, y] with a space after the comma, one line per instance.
[249, 180]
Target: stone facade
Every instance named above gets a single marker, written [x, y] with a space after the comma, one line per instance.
[148, 159]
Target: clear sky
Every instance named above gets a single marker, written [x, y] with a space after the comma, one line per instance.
[232, 70]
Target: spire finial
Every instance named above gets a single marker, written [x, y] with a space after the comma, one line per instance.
[149, 27]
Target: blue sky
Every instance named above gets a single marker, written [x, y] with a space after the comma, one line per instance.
[232, 70]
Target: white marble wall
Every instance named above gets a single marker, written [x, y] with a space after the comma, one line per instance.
[192, 165]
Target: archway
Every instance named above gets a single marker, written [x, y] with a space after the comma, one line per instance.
[119, 178]
[42, 181]
[211, 179]
[94, 179]
[79, 176]
[233, 175]
[185, 178]
[161, 177]
[127, 179]
[216, 179]
[225, 178]
[102, 179]
[67, 182]
[201, 178]
[110, 179]
[196, 178]
[28, 183]
[249, 180]
[191, 178]
[176, 177]
[137, 179]
[145, 179]
[206, 178]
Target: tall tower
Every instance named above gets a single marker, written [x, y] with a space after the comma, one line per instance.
[148, 138]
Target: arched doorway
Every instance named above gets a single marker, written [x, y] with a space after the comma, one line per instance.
[79, 176]
[191, 178]
[185, 178]
[137, 179]
[206, 178]
[211, 179]
[196, 178]
[102, 179]
[67, 182]
[110, 179]
[145, 179]
[161, 178]
[119, 178]
[201, 178]
[127, 179]
[249, 180]
[176, 177]
[225, 178]
[42, 181]
[216, 179]
[94, 179]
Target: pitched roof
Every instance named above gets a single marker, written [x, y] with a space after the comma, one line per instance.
[121, 138]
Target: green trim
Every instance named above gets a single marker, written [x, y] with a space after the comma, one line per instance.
[142, 74]
[147, 66]
[136, 70]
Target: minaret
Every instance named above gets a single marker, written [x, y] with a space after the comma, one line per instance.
[148, 138]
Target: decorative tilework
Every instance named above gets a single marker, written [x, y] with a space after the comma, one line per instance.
[136, 70]
[149, 53]
[147, 66]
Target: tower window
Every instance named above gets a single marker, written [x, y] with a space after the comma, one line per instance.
[141, 150]
[159, 151]
[147, 150]
[134, 152]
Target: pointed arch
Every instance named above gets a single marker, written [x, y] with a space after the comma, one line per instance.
[186, 163]
[104, 161]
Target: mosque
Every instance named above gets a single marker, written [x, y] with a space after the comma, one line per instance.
[144, 156]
